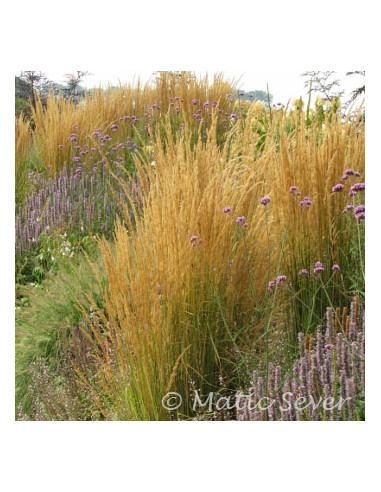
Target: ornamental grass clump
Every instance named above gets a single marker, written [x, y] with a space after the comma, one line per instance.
[174, 302]
[129, 111]
[23, 139]
[327, 381]
[178, 309]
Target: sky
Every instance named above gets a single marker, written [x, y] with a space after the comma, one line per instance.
[283, 84]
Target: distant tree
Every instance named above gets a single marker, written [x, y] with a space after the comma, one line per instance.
[30, 83]
[257, 95]
[359, 90]
[324, 83]
[73, 89]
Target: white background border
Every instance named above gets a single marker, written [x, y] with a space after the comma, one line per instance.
[182, 456]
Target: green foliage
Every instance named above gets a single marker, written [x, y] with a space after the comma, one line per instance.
[45, 319]
[22, 106]
[55, 251]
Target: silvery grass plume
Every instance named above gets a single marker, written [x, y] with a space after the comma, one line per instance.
[327, 382]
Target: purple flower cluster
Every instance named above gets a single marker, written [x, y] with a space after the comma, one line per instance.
[325, 383]
[338, 187]
[358, 187]
[359, 212]
[306, 202]
[82, 203]
[319, 268]
[240, 220]
[193, 240]
[226, 210]
[350, 172]
[348, 207]
[265, 200]
[281, 279]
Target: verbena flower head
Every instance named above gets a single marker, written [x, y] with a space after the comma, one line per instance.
[240, 220]
[349, 172]
[348, 207]
[338, 187]
[281, 279]
[195, 101]
[265, 200]
[304, 271]
[226, 210]
[306, 202]
[358, 187]
[293, 188]
[319, 268]
[359, 209]
[271, 284]
[193, 239]
[76, 159]
[360, 217]
[359, 212]
[335, 267]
